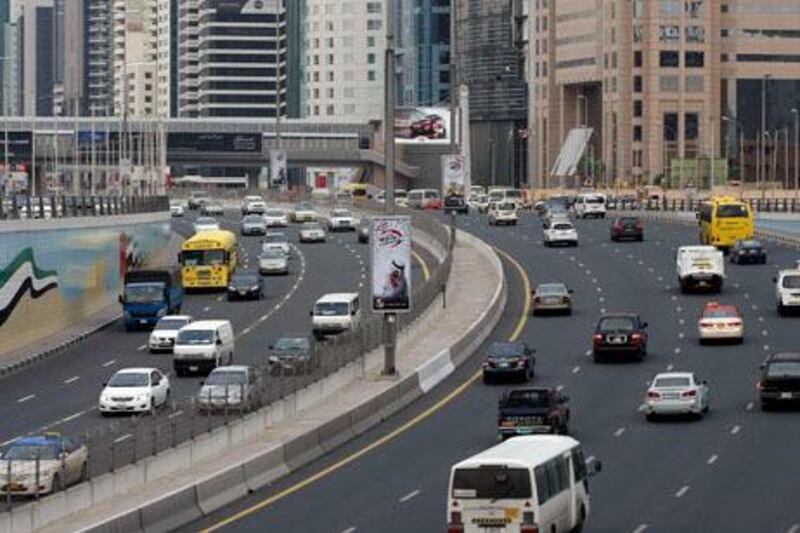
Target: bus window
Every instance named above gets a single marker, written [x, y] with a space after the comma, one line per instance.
[492, 483]
[732, 211]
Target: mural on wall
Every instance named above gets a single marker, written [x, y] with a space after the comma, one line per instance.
[54, 279]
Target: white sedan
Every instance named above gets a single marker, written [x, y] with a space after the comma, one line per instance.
[176, 208]
[720, 322]
[676, 393]
[342, 220]
[304, 212]
[276, 241]
[561, 232]
[135, 390]
[312, 232]
[162, 339]
[206, 224]
[276, 218]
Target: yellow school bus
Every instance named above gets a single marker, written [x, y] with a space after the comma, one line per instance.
[724, 220]
[208, 259]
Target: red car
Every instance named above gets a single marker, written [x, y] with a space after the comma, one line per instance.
[430, 126]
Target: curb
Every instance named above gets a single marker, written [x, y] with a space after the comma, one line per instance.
[259, 469]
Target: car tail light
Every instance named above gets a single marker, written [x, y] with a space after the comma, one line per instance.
[529, 528]
[636, 337]
[598, 338]
[689, 393]
[455, 525]
[706, 324]
[617, 227]
[653, 394]
[760, 384]
[735, 323]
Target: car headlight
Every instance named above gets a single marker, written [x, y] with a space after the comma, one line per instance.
[142, 397]
[231, 288]
[254, 288]
[161, 312]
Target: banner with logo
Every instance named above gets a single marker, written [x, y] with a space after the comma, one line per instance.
[453, 175]
[390, 239]
[277, 169]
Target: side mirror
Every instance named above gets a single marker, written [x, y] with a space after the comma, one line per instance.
[105, 383]
[219, 342]
[704, 382]
[762, 366]
[202, 383]
[594, 468]
[644, 324]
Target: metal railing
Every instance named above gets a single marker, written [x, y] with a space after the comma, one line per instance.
[760, 205]
[46, 207]
[127, 440]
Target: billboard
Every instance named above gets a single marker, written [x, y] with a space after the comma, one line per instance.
[277, 169]
[422, 125]
[390, 239]
[234, 143]
[453, 174]
[19, 144]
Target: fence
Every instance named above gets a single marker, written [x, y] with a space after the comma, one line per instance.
[123, 441]
[24, 207]
[761, 205]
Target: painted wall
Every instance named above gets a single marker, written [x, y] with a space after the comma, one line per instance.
[54, 274]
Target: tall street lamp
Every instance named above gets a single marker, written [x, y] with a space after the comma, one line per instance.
[763, 127]
[796, 114]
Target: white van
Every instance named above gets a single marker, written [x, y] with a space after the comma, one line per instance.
[335, 313]
[203, 346]
[590, 205]
[424, 199]
[527, 484]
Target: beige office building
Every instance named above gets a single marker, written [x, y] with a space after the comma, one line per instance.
[666, 85]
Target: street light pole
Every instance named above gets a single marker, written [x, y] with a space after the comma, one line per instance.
[764, 123]
[389, 319]
[713, 151]
[796, 114]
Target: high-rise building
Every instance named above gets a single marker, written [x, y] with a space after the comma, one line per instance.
[166, 39]
[11, 83]
[344, 47]
[188, 66]
[135, 55]
[36, 59]
[294, 58]
[5, 19]
[423, 52]
[662, 82]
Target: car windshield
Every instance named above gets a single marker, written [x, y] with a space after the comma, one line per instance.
[171, 324]
[340, 213]
[253, 219]
[491, 482]
[791, 282]
[731, 211]
[627, 221]
[781, 369]
[562, 226]
[272, 253]
[244, 279]
[130, 379]
[400, 194]
[144, 293]
[292, 344]
[331, 309]
[551, 289]
[195, 336]
[617, 324]
[506, 207]
[504, 350]
[661, 383]
[311, 225]
[203, 258]
[226, 377]
[275, 238]
[31, 452]
[205, 221]
[528, 398]
[275, 213]
[749, 244]
[594, 200]
[722, 312]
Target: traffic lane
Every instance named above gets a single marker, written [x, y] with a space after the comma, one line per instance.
[320, 503]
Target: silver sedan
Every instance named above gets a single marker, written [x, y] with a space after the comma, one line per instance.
[552, 297]
[676, 393]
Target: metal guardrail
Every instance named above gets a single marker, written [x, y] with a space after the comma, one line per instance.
[47, 207]
[760, 205]
[128, 440]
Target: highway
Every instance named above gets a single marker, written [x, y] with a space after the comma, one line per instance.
[60, 393]
[734, 471]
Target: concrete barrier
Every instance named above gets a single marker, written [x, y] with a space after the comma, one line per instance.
[127, 522]
[80, 497]
[209, 444]
[302, 450]
[333, 434]
[49, 510]
[264, 469]
[167, 462]
[221, 489]
[128, 477]
[102, 488]
[5, 523]
[433, 371]
[171, 511]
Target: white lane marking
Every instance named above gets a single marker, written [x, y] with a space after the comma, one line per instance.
[641, 529]
[142, 348]
[794, 529]
[761, 319]
[588, 272]
[73, 417]
[736, 429]
[641, 262]
[263, 318]
[599, 289]
[736, 285]
[602, 311]
[576, 370]
[601, 299]
[670, 368]
[683, 490]
[712, 459]
[749, 406]
[651, 270]
[588, 353]
[679, 309]
[26, 398]
[109, 363]
[764, 332]
[349, 530]
[754, 307]
[73, 379]
[206, 309]
[674, 298]
[681, 335]
[590, 459]
[594, 280]
[410, 495]
[245, 331]
[677, 350]
[619, 432]
[580, 265]
[360, 284]
[681, 321]
[123, 438]
[746, 295]
[660, 278]
[9, 441]
[559, 388]
[176, 413]
[766, 347]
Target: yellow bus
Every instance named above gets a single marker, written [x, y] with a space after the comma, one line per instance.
[356, 190]
[724, 220]
[208, 259]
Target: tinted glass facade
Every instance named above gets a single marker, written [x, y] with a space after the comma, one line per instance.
[423, 51]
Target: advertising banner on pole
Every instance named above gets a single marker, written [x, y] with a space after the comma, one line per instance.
[453, 175]
[277, 169]
[390, 239]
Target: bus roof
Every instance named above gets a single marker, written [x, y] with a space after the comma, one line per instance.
[523, 451]
[725, 200]
[209, 240]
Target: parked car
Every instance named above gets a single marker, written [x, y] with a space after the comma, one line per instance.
[620, 335]
[293, 354]
[748, 251]
[245, 286]
[532, 410]
[779, 383]
[61, 461]
[234, 387]
[676, 393]
[509, 359]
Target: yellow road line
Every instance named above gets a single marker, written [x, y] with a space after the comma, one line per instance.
[427, 413]
[426, 273]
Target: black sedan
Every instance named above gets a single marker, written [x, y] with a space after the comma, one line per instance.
[509, 359]
[748, 251]
[620, 335]
[455, 203]
[245, 286]
[780, 381]
[293, 354]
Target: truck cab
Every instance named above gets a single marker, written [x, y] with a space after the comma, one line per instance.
[532, 410]
[149, 295]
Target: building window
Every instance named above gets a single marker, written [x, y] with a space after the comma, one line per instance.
[669, 33]
[668, 58]
[637, 58]
[669, 84]
[370, 41]
[690, 126]
[316, 59]
[316, 110]
[316, 92]
[316, 76]
[329, 110]
[694, 8]
[370, 59]
[696, 34]
[669, 8]
[637, 133]
[330, 75]
[693, 84]
[637, 84]
[694, 59]
[330, 92]
[330, 42]
[638, 33]
[370, 75]
[637, 108]
[373, 24]
[330, 59]
[670, 127]
[373, 7]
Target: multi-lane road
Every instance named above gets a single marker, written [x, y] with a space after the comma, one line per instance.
[735, 471]
[60, 393]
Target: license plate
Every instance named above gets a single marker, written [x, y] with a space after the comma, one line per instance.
[671, 396]
[551, 300]
[194, 368]
[616, 340]
[786, 396]
[504, 365]
[142, 321]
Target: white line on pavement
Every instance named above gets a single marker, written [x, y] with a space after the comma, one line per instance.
[588, 353]
[754, 307]
[641, 529]
[109, 363]
[736, 429]
[679, 309]
[681, 335]
[677, 350]
[73, 417]
[349, 530]
[142, 348]
[761, 319]
[764, 332]
[681, 321]
[559, 388]
[670, 368]
[176, 413]
[746, 295]
[219, 298]
[683, 490]
[409, 496]
[245, 331]
[73, 379]
[576, 370]
[749, 406]
[794, 529]
[602, 311]
[712, 459]
[601, 299]
[766, 347]
[26, 398]
[619, 432]
[206, 309]
[123, 438]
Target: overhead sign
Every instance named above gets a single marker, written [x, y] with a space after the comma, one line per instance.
[453, 174]
[422, 125]
[390, 240]
[277, 168]
[234, 143]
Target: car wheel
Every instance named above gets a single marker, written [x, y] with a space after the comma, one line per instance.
[152, 410]
[781, 309]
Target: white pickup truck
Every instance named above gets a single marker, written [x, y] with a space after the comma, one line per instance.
[700, 267]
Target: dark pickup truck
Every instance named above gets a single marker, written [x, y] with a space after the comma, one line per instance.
[532, 410]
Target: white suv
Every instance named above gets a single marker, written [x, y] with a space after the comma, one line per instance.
[590, 205]
[787, 290]
[561, 232]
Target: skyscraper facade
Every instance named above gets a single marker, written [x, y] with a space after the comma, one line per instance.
[37, 57]
[135, 56]
[5, 19]
[188, 65]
